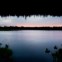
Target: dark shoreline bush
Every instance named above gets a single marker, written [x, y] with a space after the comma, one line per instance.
[5, 54]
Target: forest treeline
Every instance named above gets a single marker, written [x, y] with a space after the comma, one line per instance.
[11, 28]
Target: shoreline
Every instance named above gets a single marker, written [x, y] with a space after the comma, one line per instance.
[30, 28]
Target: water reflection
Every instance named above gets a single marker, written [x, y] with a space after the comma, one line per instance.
[30, 45]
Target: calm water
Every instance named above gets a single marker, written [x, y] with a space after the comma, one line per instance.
[30, 45]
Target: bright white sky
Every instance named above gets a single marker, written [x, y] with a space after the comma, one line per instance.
[31, 21]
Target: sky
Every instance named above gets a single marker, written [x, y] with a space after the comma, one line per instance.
[32, 21]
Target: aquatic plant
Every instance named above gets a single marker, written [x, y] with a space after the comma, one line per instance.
[5, 54]
[47, 50]
[0, 44]
[57, 55]
[55, 47]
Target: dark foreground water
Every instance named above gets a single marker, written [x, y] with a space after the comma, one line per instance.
[30, 45]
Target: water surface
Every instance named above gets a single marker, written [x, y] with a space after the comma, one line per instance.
[30, 45]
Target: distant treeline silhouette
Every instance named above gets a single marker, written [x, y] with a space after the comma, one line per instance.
[10, 28]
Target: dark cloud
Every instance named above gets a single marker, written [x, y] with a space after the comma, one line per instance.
[43, 7]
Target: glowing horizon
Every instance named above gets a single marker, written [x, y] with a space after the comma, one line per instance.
[37, 25]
